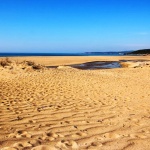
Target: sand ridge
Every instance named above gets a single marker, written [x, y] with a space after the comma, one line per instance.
[75, 109]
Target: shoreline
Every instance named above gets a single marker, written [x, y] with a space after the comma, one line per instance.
[68, 60]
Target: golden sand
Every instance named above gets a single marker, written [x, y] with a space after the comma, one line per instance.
[75, 109]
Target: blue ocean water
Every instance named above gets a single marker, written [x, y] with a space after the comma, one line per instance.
[63, 54]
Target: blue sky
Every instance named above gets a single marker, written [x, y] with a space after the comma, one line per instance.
[74, 25]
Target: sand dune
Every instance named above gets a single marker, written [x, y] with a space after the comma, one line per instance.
[75, 109]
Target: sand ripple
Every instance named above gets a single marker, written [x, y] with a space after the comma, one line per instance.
[75, 109]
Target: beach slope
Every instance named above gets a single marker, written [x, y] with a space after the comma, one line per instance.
[69, 108]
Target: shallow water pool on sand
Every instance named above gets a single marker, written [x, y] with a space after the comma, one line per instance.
[97, 65]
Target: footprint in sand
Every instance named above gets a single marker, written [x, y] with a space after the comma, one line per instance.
[20, 134]
[67, 145]
[22, 145]
[111, 135]
[95, 146]
[79, 134]
[32, 121]
[67, 122]
[142, 136]
[35, 142]
[44, 147]
[50, 136]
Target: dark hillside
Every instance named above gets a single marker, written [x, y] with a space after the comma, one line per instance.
[142, 51]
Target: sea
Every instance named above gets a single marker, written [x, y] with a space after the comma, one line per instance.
[64, 54]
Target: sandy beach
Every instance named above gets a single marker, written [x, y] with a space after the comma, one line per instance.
[69, 108]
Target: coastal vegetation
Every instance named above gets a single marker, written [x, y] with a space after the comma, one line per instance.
[140, 52]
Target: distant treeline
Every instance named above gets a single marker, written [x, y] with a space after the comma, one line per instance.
[141, 52]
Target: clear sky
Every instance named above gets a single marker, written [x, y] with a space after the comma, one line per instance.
[74, 25]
